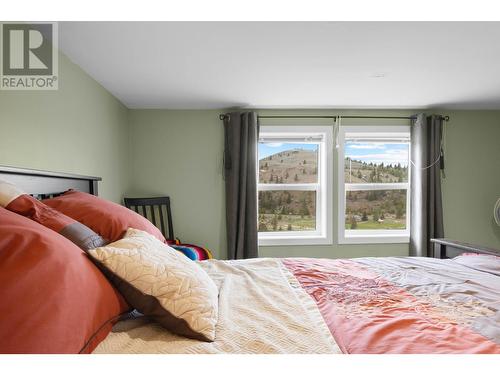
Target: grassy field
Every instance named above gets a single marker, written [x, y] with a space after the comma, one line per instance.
[297, 222]
[387, 224]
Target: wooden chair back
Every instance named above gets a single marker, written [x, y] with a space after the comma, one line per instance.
[157, 210]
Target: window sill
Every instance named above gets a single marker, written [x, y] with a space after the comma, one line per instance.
[364, 239]
[295, 241]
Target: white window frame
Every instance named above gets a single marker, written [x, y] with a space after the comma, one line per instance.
[324, 212]
[346, 236]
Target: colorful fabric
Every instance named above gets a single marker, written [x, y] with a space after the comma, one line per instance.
[193, 252]
[404, 305]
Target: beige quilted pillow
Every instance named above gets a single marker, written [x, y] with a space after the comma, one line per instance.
[162, 283]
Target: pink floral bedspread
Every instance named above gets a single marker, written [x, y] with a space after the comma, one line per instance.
[404, 305]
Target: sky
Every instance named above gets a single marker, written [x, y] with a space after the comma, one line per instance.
[375, 152]
[266, 149]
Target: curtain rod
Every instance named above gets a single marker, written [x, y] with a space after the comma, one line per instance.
[222, 116]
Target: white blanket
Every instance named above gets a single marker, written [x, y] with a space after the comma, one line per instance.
[262, 309]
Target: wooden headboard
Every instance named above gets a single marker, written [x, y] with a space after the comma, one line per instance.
[44, 184]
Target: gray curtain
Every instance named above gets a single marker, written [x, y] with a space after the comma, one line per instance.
[426, 203]
[240, 173]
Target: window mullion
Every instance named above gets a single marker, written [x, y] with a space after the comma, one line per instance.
[376, 186]
[291, 187]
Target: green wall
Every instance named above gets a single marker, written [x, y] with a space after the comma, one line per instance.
[80, 128]
[472, 182]
[179, 153]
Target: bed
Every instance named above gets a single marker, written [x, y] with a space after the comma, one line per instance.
[444, 304]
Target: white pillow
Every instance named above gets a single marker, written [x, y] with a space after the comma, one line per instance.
[480, 262]
[162, 283]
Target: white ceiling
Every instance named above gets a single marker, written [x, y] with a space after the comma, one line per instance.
[196, 65]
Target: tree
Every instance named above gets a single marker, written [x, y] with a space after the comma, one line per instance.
[304, 211]
[274, 223]
[354, 223]
[399, 212]
[262, 224]
[262, 227]
[365, 216]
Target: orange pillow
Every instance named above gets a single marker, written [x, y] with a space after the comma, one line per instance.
[16, 200]
[53, 298]
[108, 219]
[76, 232]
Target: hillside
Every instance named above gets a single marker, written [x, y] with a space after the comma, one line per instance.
[361, 172]
[291, 166]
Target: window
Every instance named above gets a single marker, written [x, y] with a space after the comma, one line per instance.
[294, 185]
[374, 189]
